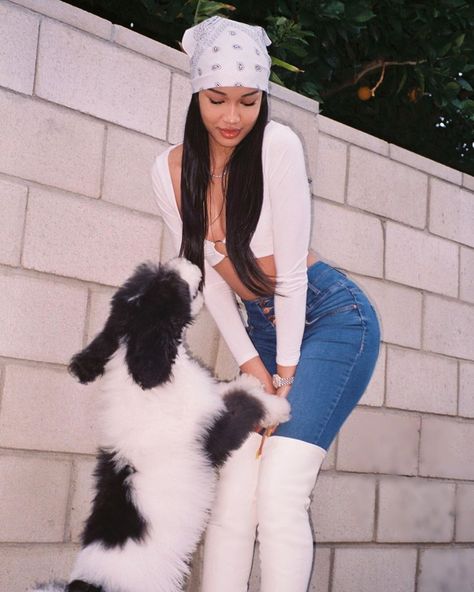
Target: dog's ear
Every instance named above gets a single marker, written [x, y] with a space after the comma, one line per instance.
[150, 356]
[159, 308]
[89, 363]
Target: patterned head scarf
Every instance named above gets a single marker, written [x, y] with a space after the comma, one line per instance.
[227, 53]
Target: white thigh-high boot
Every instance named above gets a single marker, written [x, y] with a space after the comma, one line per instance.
[230, 536]
[288, 473]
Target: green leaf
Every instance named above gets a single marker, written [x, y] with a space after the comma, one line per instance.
[275, 78]
[452, 88]
[286, 65]
[459, 40]
[332, 9]
[464, 84]
[364, 16]
[467, 107]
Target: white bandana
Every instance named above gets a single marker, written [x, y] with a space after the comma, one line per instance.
[227, 53]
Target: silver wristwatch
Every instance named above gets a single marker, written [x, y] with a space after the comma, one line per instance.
[278, 381]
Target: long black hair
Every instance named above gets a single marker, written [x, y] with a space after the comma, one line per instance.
[243, 196]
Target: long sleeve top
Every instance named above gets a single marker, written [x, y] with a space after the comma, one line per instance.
[283, 229]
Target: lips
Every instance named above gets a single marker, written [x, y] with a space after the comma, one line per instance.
[229, 133]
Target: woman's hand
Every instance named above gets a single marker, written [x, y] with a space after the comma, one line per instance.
[283, 391]
[256, 368]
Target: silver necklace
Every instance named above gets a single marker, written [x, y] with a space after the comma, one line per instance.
[219, 176]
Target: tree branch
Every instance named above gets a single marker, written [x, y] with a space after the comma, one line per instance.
[374, 65]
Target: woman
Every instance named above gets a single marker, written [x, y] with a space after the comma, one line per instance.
[236, 199]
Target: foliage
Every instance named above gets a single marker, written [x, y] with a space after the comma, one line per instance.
[398, 69]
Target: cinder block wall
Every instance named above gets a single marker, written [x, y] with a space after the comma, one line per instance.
[85, 107]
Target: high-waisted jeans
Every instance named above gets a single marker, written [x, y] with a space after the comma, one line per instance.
[339, 350]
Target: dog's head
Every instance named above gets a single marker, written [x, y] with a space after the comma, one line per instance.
[148, 314]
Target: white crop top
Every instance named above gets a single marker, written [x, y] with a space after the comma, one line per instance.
[283, 229]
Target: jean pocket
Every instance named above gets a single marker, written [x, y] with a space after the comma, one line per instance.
[314, 315]
[315, 296]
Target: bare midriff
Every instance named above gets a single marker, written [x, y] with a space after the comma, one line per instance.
[216, 231]
[266, 264]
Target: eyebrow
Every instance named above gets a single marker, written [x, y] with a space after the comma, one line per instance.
[223, 93]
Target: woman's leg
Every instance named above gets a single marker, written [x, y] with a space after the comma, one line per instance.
[338, 354]
[230, 535]
[288, 472]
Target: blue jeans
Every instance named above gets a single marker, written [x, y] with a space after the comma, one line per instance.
[339, 350]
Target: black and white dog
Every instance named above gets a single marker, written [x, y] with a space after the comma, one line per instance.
[167, 424]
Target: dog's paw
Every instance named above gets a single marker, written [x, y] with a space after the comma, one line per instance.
[248, 382]
[277, 409]
[85, 368]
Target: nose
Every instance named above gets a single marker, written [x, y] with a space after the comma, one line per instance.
[232, 114]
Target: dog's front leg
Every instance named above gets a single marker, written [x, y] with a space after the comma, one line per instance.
[248, 406]
[242, 415]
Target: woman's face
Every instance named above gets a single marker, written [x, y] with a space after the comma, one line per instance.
[229, 108]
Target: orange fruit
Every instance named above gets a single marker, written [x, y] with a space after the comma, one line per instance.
[364, 93]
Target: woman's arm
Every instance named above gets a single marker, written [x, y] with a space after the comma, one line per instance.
[290, 198]
[218, 296]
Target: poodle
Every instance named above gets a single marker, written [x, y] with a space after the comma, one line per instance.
[167, 425]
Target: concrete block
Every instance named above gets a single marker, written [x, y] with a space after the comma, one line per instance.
[446, 448]
[82, 495]
[468, 181]
[202, 338]
[102, 79]
[415, 510]
[302, 122]
[19, 35]
[399, 310]
[376, 441]
[368, 189]
[466, 274]
[254, 580]
[407, 253]
[13, 203]
[424, 164]
[168, 249]
[225, 367]
[448, 327]
[371, 569]
[34, 493]
[193, 584]
[61, 11]
[352, 135]
[23, 566]
[321, 570]
[105, 242]
[180, 96]
[374, 393]
[465, 513]
[466, 389]
[99, 310]
[41, 320]
[46, 409]
[290, 96]
[168, 56]
[348, 239]
[446, 570]
[128, 160]
[420, 381]
[451, 212]
[329, 463]
[331, 169]
[342, 508]
[57, 147]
